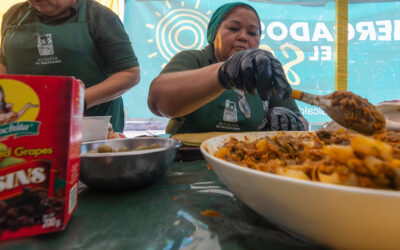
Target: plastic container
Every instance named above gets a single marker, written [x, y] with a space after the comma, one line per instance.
[95, 128]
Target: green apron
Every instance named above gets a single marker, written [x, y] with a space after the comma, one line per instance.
[222, 114]
[63, 50]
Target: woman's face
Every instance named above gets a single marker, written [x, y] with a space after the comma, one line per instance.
[52, 8]
[239, 30]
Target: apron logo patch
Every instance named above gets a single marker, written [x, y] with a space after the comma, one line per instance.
[46, 50]
[45, 45]
[230, 112]
[230, 117]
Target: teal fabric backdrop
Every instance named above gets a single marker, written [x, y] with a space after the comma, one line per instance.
[299, 33]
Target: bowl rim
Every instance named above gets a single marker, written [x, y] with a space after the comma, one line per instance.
[389, 103]
[97, 117]
[132, 152]
[329, 186]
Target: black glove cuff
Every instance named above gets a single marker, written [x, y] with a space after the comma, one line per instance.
[223, 77]
[280, 118]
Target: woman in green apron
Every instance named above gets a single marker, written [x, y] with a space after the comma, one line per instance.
[79, 38]
[200, 92]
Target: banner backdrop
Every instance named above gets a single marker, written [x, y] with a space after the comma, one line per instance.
[301, 36]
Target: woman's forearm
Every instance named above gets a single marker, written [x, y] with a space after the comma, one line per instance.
[3, 69]
[112, 87]
[180, 93]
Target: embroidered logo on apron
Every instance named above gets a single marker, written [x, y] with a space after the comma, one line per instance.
[45, 45]
[46, 50]
[230, 112]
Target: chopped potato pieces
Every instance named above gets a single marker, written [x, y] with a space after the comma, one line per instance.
[341, 157]
[369, 146]
[339, 153]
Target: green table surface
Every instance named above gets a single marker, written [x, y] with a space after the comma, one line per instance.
[166, 215]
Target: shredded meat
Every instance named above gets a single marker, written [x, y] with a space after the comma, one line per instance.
[357, 110]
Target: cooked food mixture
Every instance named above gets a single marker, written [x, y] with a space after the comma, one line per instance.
[338, 157]
[145, 147]
[105, 149]
[358, 113]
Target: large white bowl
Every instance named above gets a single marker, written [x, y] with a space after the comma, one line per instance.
[337, 216]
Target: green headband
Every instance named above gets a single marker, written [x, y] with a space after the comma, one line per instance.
[219, 15]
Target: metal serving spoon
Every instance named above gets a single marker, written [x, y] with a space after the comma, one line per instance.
[347, 109]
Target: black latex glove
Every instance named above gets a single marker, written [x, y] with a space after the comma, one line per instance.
[254, 69]
[280, 118]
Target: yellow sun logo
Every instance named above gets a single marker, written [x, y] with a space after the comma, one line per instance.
[182, 28]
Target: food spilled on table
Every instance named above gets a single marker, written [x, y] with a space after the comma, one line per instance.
[339, 157]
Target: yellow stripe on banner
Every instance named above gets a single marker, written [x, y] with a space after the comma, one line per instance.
[341, 42]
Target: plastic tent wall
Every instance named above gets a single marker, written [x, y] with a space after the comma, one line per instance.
[300, 33]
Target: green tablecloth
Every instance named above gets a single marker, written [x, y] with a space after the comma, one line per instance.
[166, 215]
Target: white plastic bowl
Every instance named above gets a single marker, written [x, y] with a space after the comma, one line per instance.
[95, 128]
[390, 109]
[341, 217]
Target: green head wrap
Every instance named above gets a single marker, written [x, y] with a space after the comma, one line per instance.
[219, 15]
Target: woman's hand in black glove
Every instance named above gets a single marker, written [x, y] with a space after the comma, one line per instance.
[280, 118]
[254, 69]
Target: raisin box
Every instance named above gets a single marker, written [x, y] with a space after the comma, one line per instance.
[40, 139]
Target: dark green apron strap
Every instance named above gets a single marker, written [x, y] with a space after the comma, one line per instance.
[13, 27]
[82, 12]
[82, 19]
[23, 19]
[97, 57]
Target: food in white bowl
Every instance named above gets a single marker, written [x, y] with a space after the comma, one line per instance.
[338, 216]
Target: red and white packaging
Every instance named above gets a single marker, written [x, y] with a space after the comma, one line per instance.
[40, 140]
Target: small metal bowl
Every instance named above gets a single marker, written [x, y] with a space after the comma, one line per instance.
[117, 171]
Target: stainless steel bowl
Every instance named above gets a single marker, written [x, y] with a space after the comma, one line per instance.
[126, 170]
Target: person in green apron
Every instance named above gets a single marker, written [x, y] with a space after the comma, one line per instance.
[79, 38]
[198, 89]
